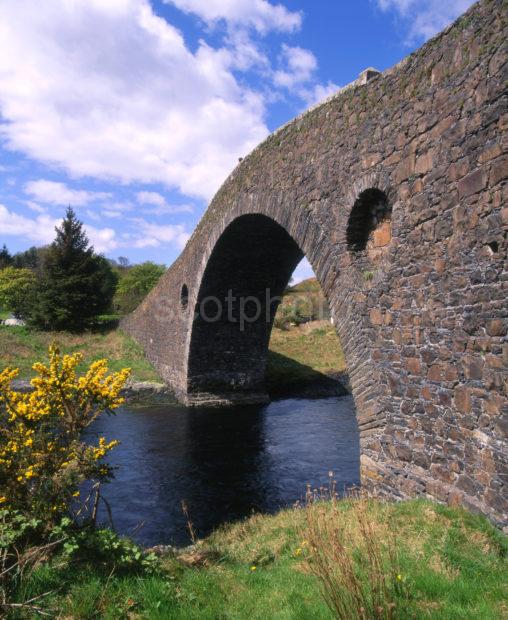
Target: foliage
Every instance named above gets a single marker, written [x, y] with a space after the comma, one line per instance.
[43, 459]
[302, 303]
[75, 284]
[290, 314]
[29, 259]
[5, 257]
[103, 547]
[135, 283]
[16, 286]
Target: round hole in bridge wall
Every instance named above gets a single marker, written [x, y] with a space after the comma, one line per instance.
[184, 296]
[369, 220]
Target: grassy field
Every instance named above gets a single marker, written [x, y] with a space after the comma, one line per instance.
[452, 566]
[314, 345]
[21, 347]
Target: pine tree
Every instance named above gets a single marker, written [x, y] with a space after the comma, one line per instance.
[75, 284]
[5, 257]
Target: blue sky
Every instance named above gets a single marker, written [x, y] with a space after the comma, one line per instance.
[135, 111]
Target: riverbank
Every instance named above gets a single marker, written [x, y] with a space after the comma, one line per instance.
[450, 564]
[304, 362]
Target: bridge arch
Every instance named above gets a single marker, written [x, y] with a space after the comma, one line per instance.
[242, 283]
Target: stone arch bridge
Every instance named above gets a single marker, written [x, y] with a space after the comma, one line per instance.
[395, 190]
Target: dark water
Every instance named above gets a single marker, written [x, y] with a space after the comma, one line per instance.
[224, 463]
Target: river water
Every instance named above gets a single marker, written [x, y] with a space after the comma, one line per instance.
[225, 463]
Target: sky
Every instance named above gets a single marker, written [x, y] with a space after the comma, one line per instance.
[134, 112]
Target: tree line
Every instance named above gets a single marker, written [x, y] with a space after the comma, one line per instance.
[67, 285]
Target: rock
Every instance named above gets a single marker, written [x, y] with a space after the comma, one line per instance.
[13, 322]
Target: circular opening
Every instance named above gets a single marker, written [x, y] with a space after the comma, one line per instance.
[369, 212]
[184, 296]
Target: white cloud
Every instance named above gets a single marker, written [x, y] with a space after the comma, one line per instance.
[425, 18]
[103, 239]
[52, 192]
[110, 90]
[258, 14]
[160, 205]
[299, 66]
[41, 230]
[151, 198]
[35, 207]
[318, 93]
[154, 235]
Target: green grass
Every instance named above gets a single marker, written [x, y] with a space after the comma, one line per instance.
[303, 355]
[314, 345]
[453, 566]
[296, 355]
[21, 347]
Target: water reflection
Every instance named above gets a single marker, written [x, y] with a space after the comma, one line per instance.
[224, 463]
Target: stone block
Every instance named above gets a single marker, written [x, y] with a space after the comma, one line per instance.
[472, 183]
[462, 398]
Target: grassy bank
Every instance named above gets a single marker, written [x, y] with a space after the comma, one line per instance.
[298, 355]
[21, 347]
[452, 565]
[314, 345]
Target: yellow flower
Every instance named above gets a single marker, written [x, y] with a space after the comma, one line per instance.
[399, 577]
[298, 551]
[65, 403]
[253, 568]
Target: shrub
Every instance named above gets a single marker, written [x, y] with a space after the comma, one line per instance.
[135, 284]
[16, 286]
[43, 458]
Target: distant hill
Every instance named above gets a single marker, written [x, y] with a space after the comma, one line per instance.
[310, 285]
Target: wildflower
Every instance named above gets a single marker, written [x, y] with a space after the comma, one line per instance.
[399, 577]
[3, 499]
[298, 551]
[253, 568]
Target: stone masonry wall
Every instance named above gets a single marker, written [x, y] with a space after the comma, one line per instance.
[422, 310]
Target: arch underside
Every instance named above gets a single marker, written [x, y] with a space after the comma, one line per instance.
[244, 279]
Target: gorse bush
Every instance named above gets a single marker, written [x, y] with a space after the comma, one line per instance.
[43, 458]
